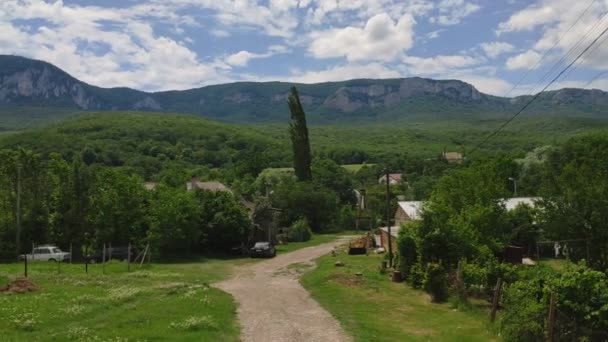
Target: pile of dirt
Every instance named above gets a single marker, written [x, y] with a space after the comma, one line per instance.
[19, 285]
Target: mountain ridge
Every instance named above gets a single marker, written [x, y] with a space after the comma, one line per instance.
[28, 82]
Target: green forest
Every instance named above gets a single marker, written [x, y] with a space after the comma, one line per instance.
[81, 182]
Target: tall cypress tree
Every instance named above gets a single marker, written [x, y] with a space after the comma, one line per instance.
[299, 137]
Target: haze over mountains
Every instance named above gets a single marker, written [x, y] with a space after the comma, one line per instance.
[33, 83]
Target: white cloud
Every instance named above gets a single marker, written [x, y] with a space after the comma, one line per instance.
[526, 60]
[135, 55]
[452, 12]
[485, 84]
[495, 49]
[528, 19]
[242, 58]
[344, 72]
[438, 64]
[219, 33]
[434, 34]
[380, 39]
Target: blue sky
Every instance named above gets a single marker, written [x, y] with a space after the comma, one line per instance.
[179, 44]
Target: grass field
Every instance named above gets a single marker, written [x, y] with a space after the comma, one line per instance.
[371, 308]
[158, 302]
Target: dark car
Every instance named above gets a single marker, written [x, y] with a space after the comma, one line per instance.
[263, 249]
[112, 253]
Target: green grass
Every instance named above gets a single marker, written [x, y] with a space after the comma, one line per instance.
[372, 308]
[355, 167]
[315, 240]
[556, 264]
[158, 302]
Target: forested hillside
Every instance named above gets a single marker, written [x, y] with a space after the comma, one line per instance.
[156, 145]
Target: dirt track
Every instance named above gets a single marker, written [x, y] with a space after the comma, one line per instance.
[273, 306]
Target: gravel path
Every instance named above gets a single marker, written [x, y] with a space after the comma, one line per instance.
[273, 306]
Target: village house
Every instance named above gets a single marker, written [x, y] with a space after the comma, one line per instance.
[393, 179]
[412, 210]
[406, 211]
[452, 157]
[196, 184]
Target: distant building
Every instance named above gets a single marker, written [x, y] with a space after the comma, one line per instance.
[512, 203]
[412, 211]
[408, 211]
[150, 186]
[196, 184]
[452, 157]
[393, 178]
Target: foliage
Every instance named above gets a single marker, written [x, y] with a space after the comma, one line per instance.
[300, 231]
[305, 200]
[160, 147]
[298, 131]
[436, 282]
[407, 248]
[576, 191]
[174, 220]
[225, 222]
[524, 313]
[465, 214]
[581, 309]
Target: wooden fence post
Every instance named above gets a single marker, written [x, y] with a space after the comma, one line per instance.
[25, 265]
[129, 258]
[86, 259]
[103, 259]
[551, 318]
[70, 253]
[495, 299]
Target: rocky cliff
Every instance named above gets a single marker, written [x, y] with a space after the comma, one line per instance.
[26, 82]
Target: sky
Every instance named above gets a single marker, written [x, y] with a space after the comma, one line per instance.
[496, 45]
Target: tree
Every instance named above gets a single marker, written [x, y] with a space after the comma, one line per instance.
[174, 216]
[465, 215]
[117, 207]
[576, 193]
[225, 223]
[299, 137]
[298, 200]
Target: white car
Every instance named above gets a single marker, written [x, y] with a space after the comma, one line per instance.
[47, 253]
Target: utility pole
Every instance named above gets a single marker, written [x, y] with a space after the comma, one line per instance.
[388, 219]
[514, 186]
[18, 236]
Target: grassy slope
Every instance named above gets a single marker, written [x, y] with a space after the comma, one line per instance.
[372, 308]
[140, 305]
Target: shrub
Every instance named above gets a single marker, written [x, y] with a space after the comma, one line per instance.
[525, 306]
[581, 295]
[300, 231]
[417, 276]
[436, 282]
[406, 248]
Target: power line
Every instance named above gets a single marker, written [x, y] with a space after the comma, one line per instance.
[539, 93]
[570, 52]
[550, 49]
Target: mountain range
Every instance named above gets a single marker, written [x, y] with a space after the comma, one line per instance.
[32, 83]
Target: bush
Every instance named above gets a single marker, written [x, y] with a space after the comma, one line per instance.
[436, 282]
[582, 311]
[525, 309]
[300, 231]
[417, 276]
[406, 248]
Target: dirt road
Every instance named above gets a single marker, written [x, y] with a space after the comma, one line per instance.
[273, 306]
